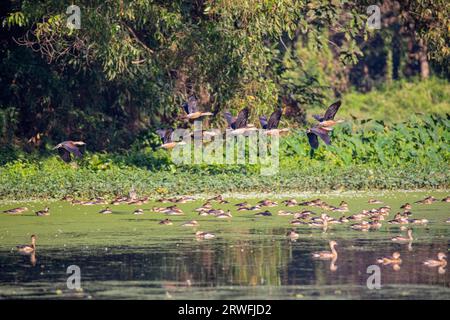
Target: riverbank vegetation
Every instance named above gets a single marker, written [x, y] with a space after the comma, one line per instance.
[124, 74]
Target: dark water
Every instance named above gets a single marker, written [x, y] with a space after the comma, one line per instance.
[239, 269]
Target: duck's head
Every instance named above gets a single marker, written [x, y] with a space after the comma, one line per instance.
[410, 232]
[33, 239]
[333, 243]
[442, 256]
[396, 255]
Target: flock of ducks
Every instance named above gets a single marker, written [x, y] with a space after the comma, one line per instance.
[237, 125]
[364, 221]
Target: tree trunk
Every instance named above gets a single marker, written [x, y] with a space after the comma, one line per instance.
[424, 66]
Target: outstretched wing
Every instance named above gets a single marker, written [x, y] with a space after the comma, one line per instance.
[72, 149]
[331, 111]
[312, 139]
[192, 104]
[64, 154]
[230, 119]
[323, 134]
[165, 135]
[241, 120]
[274, 119]
[263, 121]
[318, 117]
[185, 107]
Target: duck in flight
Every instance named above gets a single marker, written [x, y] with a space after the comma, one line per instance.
[66, 148]
[166, 138]
[191, 109]
[321, 129]
[327, 120]
[239, 124]
[271, 125]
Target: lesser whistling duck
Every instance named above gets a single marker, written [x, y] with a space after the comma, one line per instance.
[192, 223]
[28, 248]
[105, 211]
[166, 222]
[394, 259]
[204, 235]
[42, 213]
[191, 109]
[440, 262]
[18, 210]
[66, 148]
[326, 255]
[404, 239]
[292, 235]
[427, 200]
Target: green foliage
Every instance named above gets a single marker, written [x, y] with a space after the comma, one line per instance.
[364, 155]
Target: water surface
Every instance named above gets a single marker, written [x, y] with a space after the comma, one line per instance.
[124, 256]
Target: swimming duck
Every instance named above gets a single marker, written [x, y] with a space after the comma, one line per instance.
[303, 214]
[363, 226]
[321, 222]
[205, 207]
[374, 201]
[395, 259]
[399, 219]
[427, 200]
[446, 199]
[312, 203]
[340, 209]
[404, 239]
[448, 220]
[216, 198]
[267, 203]
[105, 211]
[16, 210]
[440, 262]
[375, 224]
[138, 211]
[418, 221]
[45, 212]
[297, 222]
[28, 248]
[290, 202]
[226, 215]
[407, 206]
[241, 204]
[173, 210]
[204, 235]
[327, 255]
[263, 214]
[292, 235]
[357, 217]
[166, 222]
[284, 213]
[192, 223]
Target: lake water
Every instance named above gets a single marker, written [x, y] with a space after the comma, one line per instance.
[126, 256]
